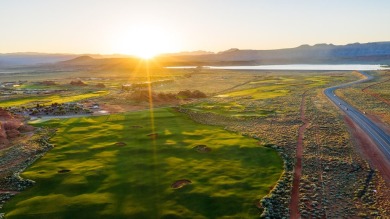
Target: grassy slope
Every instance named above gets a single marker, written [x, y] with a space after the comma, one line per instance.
[48, 99]
[133, 181]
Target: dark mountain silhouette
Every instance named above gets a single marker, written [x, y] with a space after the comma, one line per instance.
[366, 53]
[31, 58]
[81, 60]
[84, 61]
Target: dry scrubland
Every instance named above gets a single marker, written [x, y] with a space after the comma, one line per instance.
[372, 97]
[336, 182]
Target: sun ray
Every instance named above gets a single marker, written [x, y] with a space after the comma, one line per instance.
[153, 136]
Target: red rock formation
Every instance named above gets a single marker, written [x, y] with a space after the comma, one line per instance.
[5, 115]
[26, 128]
[3, 136]
[11, 127]
[11, 124]
[12, 133]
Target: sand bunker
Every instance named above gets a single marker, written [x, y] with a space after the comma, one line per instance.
[180, 183]
[202, 148]
[63, 171]
[120, 144]
[153, 135]
[258, 204]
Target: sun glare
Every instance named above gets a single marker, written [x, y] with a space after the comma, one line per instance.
[145, 42]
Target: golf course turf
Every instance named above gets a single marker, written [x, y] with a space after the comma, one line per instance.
[124, 166]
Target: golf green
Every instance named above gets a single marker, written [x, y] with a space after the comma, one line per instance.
[130, 166]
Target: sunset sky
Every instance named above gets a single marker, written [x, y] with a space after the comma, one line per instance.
[133, 27]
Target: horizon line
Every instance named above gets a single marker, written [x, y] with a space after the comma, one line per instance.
[183, 51]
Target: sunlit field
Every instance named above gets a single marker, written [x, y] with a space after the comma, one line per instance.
[123, 166]
[126, 166]
[196, 110]
[49, 99]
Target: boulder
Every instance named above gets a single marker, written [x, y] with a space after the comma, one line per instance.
[26, 128]
[12, 133]
[5, 115]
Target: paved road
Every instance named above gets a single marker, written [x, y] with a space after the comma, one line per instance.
[379, 136]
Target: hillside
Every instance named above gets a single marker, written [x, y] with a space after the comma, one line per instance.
[20, 59]
[33, 58]
[367, 53]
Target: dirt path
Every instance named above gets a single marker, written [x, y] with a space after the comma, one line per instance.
[12, 163]
[294, 204]
[8, 192]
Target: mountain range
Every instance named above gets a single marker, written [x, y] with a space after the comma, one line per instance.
[367, 53]
[362, 53]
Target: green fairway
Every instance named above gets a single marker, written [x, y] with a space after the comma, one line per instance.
[260, 93]
[233, 109]
[111, 167]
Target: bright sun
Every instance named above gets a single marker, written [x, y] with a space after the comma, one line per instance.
[145, 42]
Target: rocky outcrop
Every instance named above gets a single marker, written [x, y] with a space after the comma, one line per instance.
[12, 133]
[11, 127]
[5, 115]
[17, 158]
[26, 128]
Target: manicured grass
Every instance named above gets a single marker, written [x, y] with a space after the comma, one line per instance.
[50, 99]
[279, 86]
[134, 180]
[230, 109]
[259, 93]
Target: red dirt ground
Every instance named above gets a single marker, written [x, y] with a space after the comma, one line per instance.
[369, 150]
[377, 160]
[294, 204]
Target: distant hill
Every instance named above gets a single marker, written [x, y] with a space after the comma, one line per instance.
[367, 53]
[81, 60]
[20, 59]
[191, 53]
[88, 61]
[32, 58]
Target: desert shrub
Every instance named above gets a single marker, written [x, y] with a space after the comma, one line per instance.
[198, 94]
[100, 85]
[186, 94]
[78, 83]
